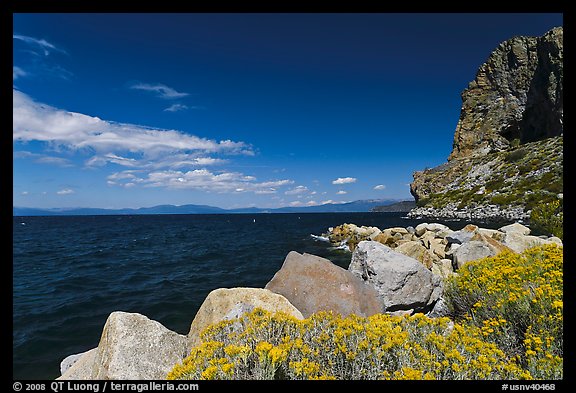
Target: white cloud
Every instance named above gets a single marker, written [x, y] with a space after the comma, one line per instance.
[24, 193]
[380, 187]
[344, 180]
[297, 190]
[176, 108]
[18, 72]
[300, 203]
[65, 191]
[199, 179]
[151, 157]
[332, 202]
[44, 45]
[161, 90]
[341, 192]
[36, 121]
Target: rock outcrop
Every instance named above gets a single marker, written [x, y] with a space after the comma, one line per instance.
[402, 282]
[313, 284]
[131, 347]
[516, 95]
[507, 154]
[226, 304]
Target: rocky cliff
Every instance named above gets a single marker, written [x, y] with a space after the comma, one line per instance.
[508, 145]
[516, 96]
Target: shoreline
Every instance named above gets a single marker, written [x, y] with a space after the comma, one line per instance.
[433, 251]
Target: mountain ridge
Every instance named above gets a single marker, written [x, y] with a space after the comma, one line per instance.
[364, 205]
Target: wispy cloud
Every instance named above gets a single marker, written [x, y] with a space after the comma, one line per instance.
[18, 72]
[65, 191]
[161, 90]
[341, 192]
[43, 159]
[172, 161]
[344, 180]
[39, 64]
[297, 190]
[380, 187]
[45, 46]
[176, 108]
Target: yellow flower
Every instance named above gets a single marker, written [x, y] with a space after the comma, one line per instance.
[277, 355]
[210, 372]
[263, 348]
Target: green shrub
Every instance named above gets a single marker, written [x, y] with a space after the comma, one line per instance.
[516, 300]
[503, 199]
[422, 202]
[516, 155]
[548, 218]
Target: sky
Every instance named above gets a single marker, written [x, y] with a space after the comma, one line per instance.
[239, 109]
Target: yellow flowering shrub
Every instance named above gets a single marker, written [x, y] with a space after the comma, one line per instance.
[516, 300]
[261, 345]
[507, 324]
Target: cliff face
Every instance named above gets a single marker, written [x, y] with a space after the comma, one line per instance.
[516, 95]
[508, 144]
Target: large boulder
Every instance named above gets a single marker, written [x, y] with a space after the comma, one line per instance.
[313, 284]
[515, 228]
[131, 347]
[225, 304]
[69, 361]
[470, 251]
[402, 282]
[416, 250]
[519, 243]
[433, 227]
[463, 235]
[78, 366]
[443, 268]
[496, 246]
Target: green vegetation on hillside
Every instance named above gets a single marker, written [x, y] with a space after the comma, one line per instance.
[528, 175]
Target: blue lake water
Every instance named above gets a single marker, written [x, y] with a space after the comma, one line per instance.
[70, 273]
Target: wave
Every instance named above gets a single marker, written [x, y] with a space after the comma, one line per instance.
[320, 238]
[342, 246]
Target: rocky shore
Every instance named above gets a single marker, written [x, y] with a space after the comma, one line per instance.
[477, 213]
[394, 270]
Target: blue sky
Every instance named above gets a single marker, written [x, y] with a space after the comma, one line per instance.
[238, 110]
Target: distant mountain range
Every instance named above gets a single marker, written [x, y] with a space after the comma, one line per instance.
[404, 206]
[350, 207]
